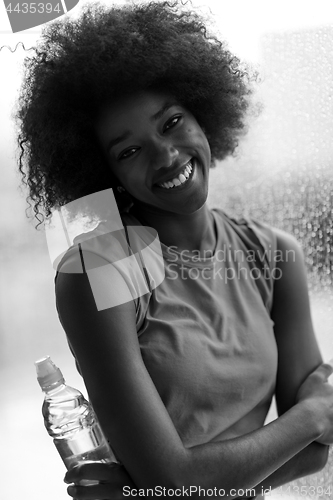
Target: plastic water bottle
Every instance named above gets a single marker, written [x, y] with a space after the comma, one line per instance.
[70, 420]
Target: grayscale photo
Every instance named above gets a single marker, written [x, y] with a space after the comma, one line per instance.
[166, 313]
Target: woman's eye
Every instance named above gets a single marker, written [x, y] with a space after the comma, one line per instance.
[171, 123]
[127, 154]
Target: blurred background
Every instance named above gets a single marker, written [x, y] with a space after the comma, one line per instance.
[282, 174]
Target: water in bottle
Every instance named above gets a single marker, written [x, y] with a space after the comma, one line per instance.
[69, 418]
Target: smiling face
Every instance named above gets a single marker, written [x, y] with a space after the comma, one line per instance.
[157, 151]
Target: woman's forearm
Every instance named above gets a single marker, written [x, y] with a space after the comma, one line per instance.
[255, 458]
[310, 460]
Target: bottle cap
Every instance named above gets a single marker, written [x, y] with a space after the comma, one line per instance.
[48, 373]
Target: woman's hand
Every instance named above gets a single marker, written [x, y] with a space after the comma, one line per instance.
[318, 393]
[112, 478]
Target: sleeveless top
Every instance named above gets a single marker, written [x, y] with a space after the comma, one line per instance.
[206, 335]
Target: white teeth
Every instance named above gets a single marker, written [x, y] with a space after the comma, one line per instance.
[177, 181]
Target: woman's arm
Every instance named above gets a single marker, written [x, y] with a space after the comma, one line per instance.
[298, 349]
[137, 423]
[298, 352]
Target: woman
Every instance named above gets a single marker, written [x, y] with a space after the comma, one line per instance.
[143, 100]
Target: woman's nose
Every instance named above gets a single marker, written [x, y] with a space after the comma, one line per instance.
[166, 155]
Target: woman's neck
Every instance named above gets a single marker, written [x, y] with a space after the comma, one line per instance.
[191, 232]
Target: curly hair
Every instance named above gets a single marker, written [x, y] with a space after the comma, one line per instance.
[79, 64]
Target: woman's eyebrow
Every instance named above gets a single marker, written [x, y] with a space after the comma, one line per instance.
[163, 110]
[121, 138]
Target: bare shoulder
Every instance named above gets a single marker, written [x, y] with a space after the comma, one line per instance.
[290, 288]
[289, 260]
[85, 272]
[286, 241]
[76, 261]
[78, 303]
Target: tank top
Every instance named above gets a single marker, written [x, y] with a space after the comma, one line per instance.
[206, 335]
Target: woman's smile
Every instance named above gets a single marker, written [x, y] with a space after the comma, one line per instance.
[179, 181]
[157, 151]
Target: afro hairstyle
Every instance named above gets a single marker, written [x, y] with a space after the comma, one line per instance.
[80, 64]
